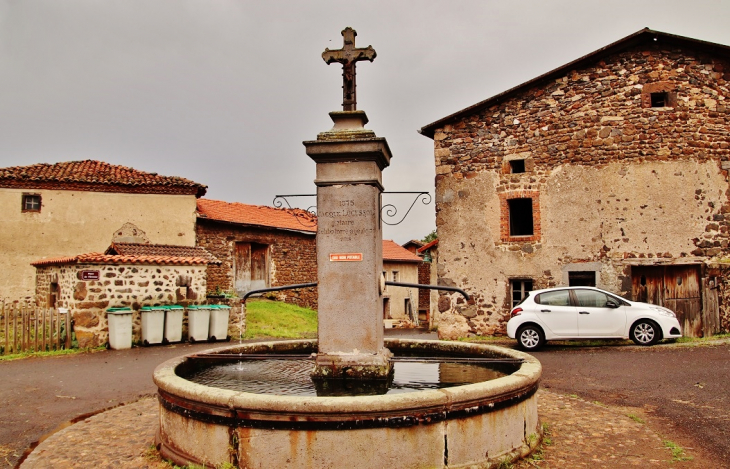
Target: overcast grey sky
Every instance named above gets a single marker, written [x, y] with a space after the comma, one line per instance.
[223, 92]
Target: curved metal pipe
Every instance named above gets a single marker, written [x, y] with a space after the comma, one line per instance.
[283, 287]
[429, 287]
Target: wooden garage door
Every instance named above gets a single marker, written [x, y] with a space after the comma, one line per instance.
[676, 287]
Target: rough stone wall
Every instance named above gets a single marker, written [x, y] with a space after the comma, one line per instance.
[424, 278]
[293, 258]
[119, 286]
[613, 177]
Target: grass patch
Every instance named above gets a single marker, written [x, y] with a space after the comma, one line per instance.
[52, 353]
[485, 338]
[678, 453]
[635, 418]
[266, 318]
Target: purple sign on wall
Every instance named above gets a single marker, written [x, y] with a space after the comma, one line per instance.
[90, 275]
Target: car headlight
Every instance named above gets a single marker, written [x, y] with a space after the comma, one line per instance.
[663, 311]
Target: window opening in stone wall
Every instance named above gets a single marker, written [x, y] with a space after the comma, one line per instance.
[396, 276]
[517, 166]
[31, 203]
[659, 99]
[519, 289]
[53, 295]
[582, 279]
[520, 217]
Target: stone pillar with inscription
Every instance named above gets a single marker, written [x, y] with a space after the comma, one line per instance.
[350, 160]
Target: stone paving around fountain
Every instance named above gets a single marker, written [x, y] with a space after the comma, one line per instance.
[582, 435]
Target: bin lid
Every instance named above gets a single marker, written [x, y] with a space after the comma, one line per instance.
[146, 308]
[174, 307]
[122, 310]
[199, 307]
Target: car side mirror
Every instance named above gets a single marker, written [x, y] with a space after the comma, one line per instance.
[611, 304]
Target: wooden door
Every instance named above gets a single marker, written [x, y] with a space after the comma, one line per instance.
[710, 306]
[682, 295]
[242, 268]
[647, 285]
[259, 266]
[676, 287]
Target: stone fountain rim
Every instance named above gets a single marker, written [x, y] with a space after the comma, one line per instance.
[523, 381]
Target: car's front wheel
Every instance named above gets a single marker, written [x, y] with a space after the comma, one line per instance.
[530, 337]
[645, 332]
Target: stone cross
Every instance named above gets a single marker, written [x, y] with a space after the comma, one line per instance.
[348, 56]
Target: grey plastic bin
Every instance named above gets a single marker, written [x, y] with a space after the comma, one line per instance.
[219, 315]
[153, 324]
[120, 328]
[198, 322]
[173, 323]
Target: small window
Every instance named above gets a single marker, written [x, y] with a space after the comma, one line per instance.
[519, 290]
[554, 298]
[396, 276]
[520, 217]
[31, 203]
[660, 99]
[517, 166]
[582, 279]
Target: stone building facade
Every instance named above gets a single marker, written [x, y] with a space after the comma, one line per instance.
[610, 171]
[400, 265]
[62, 209]
[89, 284]
[259, 247]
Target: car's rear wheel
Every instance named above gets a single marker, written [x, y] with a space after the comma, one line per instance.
[530, 337]
[645, 332]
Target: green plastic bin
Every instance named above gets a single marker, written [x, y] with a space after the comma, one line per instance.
[173, 323]
[153, 324]
[198, 322]
[218, 328]
[120, 328]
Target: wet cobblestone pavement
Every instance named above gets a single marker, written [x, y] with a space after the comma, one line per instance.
[581, 435]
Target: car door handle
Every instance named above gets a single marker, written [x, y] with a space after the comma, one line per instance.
[584, 312]
[544, 310]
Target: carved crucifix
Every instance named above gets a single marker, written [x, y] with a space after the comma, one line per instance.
[347, 56]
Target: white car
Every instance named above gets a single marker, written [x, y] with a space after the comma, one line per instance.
[567, 313]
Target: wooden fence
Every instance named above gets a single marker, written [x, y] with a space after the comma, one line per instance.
[27, 328]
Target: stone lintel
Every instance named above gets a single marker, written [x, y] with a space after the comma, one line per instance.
[338, 151]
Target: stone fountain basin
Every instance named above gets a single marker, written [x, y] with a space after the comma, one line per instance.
[475, 425]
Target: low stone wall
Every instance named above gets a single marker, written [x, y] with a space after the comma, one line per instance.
[117, 286]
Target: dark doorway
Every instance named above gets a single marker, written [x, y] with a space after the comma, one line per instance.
[582, 279]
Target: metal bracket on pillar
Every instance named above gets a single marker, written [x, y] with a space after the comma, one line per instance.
[305, 221]
[389, 211]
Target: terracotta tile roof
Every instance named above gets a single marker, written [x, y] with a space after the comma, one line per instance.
[257, 215]
[99, 258]
[392, 251]
[136, 249]
[428, 246]
[97, 176]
